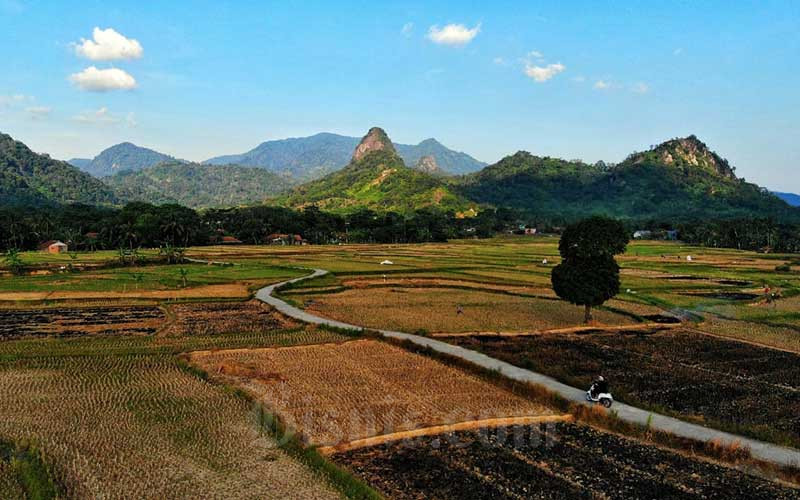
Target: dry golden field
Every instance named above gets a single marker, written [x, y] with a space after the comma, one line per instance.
[115, 426]
[437, 310]
[336, 393]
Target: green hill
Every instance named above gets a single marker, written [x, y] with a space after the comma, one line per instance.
[376, 178]
[198, 186]
[28, 178]
[680, 179]
[122, 157]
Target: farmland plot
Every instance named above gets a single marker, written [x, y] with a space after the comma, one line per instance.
[738, 386]
[451, 310]
[215, 318]
[336, 393]
[554, 461]
[122, 426]
[67, 322]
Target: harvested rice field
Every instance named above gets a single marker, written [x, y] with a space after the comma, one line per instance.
[336, 393]
[216, 318]
[436, 310]
[114, 425]
[548, 461]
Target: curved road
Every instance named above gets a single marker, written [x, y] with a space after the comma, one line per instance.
[759, 449]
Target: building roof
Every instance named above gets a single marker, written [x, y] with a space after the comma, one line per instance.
[49, 243]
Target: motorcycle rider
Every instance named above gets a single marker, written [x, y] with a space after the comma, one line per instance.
[599, 386]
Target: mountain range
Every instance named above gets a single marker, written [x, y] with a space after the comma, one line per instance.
[309, 158]
[299, 159]
[680, 179]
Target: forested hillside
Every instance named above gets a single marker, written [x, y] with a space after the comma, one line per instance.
[198, 186]
[679, 180]
[28, 178]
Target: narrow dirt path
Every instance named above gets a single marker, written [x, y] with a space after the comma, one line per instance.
[759, 449]
[441, 429]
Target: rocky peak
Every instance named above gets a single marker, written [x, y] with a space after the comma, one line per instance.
[375, 140]
[428, 165]
[688, 152]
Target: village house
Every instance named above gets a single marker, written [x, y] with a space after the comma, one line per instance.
[53, 246]
[286, 239]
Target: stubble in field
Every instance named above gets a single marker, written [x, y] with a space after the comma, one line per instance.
[437, 310]
[335, 393]
[116, 427]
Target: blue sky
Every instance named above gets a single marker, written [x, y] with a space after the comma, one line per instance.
[592, 80]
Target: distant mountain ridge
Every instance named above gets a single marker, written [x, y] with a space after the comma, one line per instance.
[28, 178]
[790, 198]
[197, 186]
[309, 158]
[121, 157]
[680, 180]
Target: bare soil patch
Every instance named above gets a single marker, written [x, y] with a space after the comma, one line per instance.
[70, 322]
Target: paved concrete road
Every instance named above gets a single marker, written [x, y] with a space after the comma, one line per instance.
[765, 451]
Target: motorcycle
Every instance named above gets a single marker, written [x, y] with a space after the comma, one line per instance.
[604, 398]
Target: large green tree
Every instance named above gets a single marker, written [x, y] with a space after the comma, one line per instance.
[588, 275]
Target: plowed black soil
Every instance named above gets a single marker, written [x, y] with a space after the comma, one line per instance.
[689, 373]
[555, 461]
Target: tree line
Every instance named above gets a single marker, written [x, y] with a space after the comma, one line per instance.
[143, 225]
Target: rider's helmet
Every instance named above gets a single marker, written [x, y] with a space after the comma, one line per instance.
[600, 378]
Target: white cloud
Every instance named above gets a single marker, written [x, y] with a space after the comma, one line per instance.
[39, 112]
[130, 120]
[103, 80]
[108, 45]
[407, 29]
[103, 116]
[640, 88]
[543, 73]
[99, 116]
[579, 79]
[10, 100]
[535, 54]
[602, 85]
[500, 61]
[455, 35]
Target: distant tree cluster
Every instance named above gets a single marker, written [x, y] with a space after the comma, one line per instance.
[142, 225]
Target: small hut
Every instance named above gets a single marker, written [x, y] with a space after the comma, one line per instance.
[53, 246]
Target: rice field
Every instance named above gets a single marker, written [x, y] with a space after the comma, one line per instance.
[85, 384]
[336, 393]
[436, 310]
